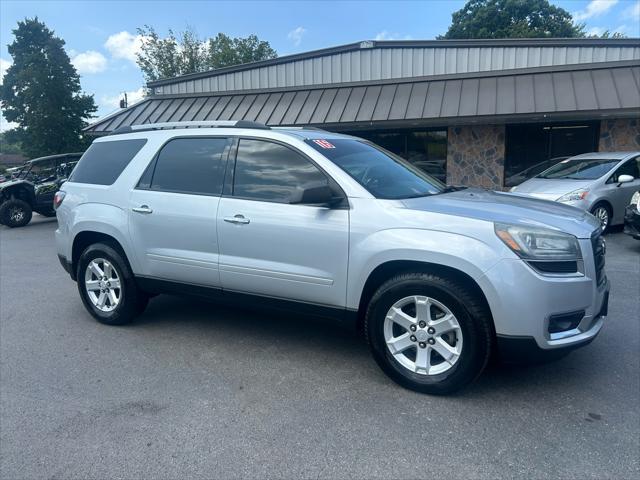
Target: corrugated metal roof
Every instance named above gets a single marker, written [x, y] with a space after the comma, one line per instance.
[375, 60]
[438, 100]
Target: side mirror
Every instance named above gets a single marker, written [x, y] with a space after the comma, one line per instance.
[624, 179]
[318, 194]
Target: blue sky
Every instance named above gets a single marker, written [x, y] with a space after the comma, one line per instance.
[101, 35]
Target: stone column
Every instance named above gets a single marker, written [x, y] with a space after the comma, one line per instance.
[619, 135]
[475, 156]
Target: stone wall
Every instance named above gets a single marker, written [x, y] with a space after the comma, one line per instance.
[475, 156]
[619, 135]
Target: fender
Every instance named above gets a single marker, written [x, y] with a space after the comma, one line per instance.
[103, 218]
[468, 255]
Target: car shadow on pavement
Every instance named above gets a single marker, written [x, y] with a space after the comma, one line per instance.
[38, 221]
[322, 338]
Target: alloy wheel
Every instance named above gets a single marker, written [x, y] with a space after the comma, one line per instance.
[102, 282]
[602, 215]
[16, 214]
[423, 335]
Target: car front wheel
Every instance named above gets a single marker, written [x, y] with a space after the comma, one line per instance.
[107, 286]
[428, 333]
[603, 213]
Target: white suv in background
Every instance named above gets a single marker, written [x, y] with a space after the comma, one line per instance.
[331, 225]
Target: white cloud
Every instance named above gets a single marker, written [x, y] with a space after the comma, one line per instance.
[89, 62]
[4, 65]
[111, 102]
[386, 35]
[296, 34]
[632, 11]
[124, 45]
[595, 8]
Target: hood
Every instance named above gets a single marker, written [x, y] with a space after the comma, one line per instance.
[551, 188]
[508, 208]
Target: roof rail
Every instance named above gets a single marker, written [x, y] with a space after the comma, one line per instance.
[196, 124]
[300, 128]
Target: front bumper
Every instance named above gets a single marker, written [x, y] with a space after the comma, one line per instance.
[632, 221]
[525, 303]
[525, 349]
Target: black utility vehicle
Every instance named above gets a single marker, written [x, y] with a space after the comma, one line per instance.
[32, 188]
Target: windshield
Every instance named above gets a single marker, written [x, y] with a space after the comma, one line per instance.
[587, 169]
[382, 173]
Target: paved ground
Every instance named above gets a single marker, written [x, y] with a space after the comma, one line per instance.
[193, 390]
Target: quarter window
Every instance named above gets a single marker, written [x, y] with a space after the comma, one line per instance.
[103, 162]
[189, 165]
[271, 172]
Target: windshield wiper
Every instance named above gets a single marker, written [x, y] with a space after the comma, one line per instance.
[450, 188]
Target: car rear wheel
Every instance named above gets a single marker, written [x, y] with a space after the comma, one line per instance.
[428, 333]
[107, 286]
[15, 213]
[603, 213]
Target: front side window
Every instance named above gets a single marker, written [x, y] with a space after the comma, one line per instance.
[103, 162]
[189, 165]
[587, 169]
[631, 167]
[271, 172]
[382, 173]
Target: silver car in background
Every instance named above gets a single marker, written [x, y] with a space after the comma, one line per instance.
[601, 183]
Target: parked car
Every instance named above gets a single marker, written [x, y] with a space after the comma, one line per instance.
[601, 183]
[32, 188]
[331, 225]
[517, 178]
[632, 217]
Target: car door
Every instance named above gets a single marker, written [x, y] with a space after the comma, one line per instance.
[619, 195]
[271, 247]
[172, 216]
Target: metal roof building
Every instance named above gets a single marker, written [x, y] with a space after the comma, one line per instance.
[476, 112]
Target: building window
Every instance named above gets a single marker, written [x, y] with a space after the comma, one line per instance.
[426, 149]
[531, 149]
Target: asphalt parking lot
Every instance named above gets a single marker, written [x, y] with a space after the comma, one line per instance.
[195, 390]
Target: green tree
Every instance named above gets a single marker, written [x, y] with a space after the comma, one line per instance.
[41, 93]
[512, 19]
[186, 52]
[8, 145]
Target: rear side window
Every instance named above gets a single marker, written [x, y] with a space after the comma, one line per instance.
[189, 165]
[103, 162]
[271, 172]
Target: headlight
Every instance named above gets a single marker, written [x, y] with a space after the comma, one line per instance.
[574, 196]
[636, 199]
[534, 243]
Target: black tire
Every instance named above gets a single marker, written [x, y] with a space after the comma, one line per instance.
[132, 300]
[472, 316]
[607, 208]
[15, 213]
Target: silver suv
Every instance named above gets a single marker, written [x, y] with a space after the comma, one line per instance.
[438, 278]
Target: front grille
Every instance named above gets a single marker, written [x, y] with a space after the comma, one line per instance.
[599, 250]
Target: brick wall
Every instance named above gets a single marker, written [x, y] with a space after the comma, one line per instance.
[619, 135]
[475, 156]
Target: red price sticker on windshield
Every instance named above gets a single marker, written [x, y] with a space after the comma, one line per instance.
[324, 144]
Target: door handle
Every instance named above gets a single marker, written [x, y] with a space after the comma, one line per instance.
[237, 219]
[142, 209]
